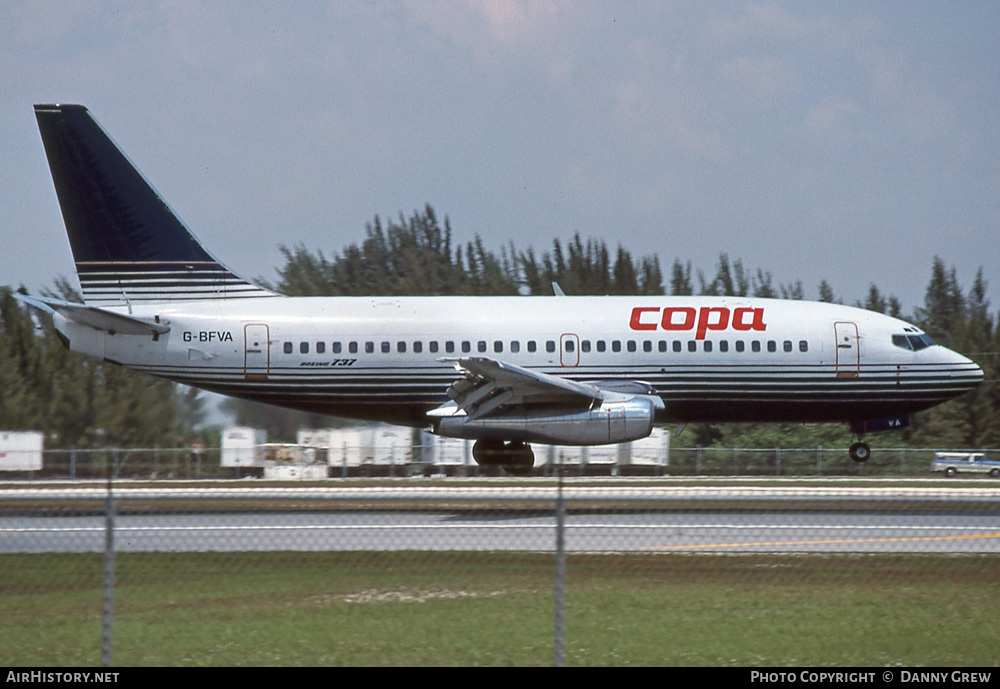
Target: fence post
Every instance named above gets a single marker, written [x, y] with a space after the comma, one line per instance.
[109, 565]
[819, 456]
[560, 593]
[777, 461]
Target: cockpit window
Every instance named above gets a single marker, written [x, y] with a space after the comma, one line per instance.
[919, 342]
[912, 342]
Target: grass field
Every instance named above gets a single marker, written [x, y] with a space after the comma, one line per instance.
[498, 609]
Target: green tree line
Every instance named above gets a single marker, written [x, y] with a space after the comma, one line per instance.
[80, 402]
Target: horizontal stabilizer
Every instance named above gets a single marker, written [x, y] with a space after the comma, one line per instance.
[97, 318]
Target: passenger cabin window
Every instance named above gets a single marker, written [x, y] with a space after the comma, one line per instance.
[369, 347]
[740, 346]
[570, 347]
[287, 348]
[515, 346]
[418, 347]
[585, 346]
[532, 346]
[320, 347]
[616, 345]
[803, 346]
[602, 346]
[304, 347]
[353, 347]
[449, 347]
[386, 347]
[692, 346]
[550, 346]
[433, 346]
[787, 345]
[336, 348]
[466, 346]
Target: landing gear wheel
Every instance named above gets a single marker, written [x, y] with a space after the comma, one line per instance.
[488, 452]
[860, 452]
[521, 459]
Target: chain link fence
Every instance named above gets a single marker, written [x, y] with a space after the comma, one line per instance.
[708, 557]
[293, 462]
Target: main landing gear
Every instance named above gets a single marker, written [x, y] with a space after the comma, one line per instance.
[514, 457]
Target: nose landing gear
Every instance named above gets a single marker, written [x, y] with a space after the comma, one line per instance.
[860, 452]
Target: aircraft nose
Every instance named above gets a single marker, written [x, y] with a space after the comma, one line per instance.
[967, 371]
[979, 375]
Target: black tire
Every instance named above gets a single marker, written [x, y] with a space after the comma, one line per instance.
[860, 452]
[520, 459]
[950, 471]
[488, 452]
[995, 473]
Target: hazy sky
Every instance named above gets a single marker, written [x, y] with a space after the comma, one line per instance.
[848, 141]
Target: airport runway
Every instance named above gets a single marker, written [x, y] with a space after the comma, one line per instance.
[642, 531]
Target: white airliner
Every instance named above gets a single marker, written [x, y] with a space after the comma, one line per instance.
[505, 371]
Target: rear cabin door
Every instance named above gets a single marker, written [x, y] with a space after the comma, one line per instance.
[257, 355]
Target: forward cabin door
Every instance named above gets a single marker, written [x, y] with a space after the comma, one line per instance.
[848, 349]
[256, 351]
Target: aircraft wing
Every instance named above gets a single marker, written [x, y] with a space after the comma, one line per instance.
[488, 385]
[98, 318]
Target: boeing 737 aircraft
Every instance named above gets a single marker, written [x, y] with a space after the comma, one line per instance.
[504, 371]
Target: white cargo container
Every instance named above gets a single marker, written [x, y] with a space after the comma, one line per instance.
[652, 450]
[443, 451]
[321, 438]
[379, 444]
[293, 472]
[243, 447]
[21, 450]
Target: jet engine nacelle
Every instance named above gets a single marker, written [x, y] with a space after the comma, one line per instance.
[611, 422]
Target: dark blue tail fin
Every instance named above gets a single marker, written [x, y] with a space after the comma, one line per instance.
[128, 245]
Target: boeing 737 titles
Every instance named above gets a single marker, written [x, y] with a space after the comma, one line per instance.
[504, 371]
